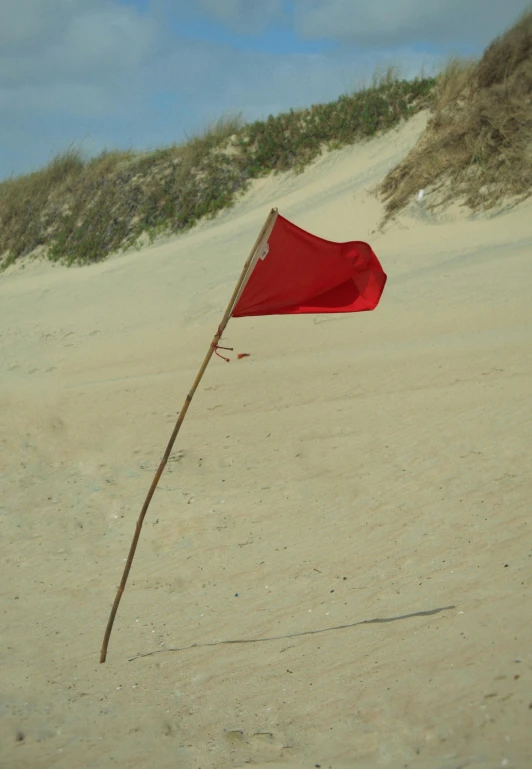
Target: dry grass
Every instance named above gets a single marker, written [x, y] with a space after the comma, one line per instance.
[80, 211]
[23, 199]
[478, 143]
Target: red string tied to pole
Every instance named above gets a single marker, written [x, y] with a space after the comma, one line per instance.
[217, 347]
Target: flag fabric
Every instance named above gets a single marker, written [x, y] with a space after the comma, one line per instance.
[300, 273]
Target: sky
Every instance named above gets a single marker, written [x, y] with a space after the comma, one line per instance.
[140, 74]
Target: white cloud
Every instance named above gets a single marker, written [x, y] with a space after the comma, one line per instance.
[35, 21]
[89, 44]
[107, 74]
[365, 22]
[106, 40]
[69, 68]
[21, 21]
[399, 22]
[244, 15]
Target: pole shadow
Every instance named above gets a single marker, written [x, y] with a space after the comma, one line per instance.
[375, 621]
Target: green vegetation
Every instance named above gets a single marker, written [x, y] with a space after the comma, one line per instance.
[79, 211]
[477, 146]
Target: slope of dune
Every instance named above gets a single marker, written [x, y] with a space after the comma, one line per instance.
[353, 468]
[477, 144]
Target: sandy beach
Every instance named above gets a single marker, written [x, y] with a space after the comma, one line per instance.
[353, 468]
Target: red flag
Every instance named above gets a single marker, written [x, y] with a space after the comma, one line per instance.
[301, 273]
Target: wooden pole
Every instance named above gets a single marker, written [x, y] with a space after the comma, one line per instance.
[246, 272]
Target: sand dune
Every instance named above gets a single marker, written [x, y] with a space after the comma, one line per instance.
[353, 468]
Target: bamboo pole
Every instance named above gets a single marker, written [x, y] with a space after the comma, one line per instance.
[246, 272]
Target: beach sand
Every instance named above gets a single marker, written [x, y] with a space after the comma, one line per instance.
[353, 468]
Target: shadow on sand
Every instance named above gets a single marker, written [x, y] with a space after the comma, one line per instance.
[377, 620]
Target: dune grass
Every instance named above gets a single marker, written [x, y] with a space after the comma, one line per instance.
[78, 211]
[477, 146]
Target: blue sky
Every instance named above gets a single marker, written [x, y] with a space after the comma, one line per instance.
[104, 74]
